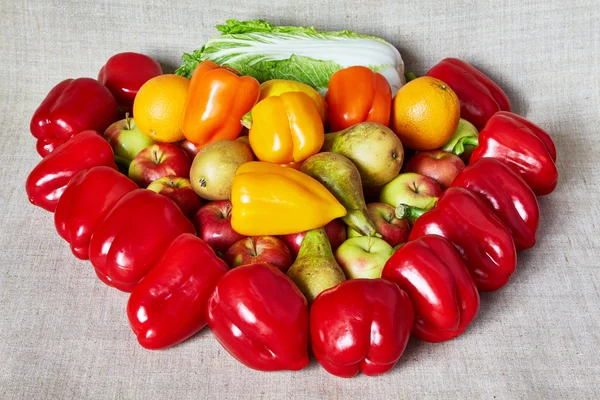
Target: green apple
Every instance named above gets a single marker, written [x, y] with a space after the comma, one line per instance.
[412, 190]
[363, 257]
[126, 140]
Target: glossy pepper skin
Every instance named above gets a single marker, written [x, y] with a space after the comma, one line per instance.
[483, 241]
[360, 325]
[276, 87]
[72, 106]
[503, 190]
[435, 278]
[133, 236]
[479, 96]
[262, 190]
[286, 128]
[523, 146]
[48, 145]
[88, 197]
[261, 318]
[355, 95]
[125, 73]
[218, 97]
[169, 304]
[48, 180]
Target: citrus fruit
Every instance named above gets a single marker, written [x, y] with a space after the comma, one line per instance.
[425, 113]
[159, 105]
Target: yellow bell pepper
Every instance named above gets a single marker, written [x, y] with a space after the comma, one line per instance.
[277, 87]
[286, 128]
[269, 199]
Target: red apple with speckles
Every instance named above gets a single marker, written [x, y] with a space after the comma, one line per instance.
[159, 160]
[180, 191]
[259, 249]
[336, 232]
[213, 225]
[441, 166]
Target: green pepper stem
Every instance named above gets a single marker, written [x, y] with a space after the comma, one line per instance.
[459, 147]
[410, 76]
[246, 120]
[404, 211]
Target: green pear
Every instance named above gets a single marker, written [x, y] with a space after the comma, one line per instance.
[340, 176]
[373, 148]
[315, 268]
[214, 167]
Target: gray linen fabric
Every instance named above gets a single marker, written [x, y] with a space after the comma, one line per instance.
[63, 334]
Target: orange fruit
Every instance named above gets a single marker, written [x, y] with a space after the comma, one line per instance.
[425, 113]
[159, 105]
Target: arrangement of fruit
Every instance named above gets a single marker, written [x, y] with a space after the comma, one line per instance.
[262, 191]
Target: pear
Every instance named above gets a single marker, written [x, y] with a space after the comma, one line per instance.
[341, 177]
[373, 148]
[315, 268]
[214, 167]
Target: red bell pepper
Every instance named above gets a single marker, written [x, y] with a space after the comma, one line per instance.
[48, 180]
[125, 73]
[360, 325]
[479, 96]
[503, 190]
[48, 145]
[169, 304]
[521, 145]
[73, 106]
[261, 318]
[134, 235]
[435, 278]
[88, 197]
[357, 94]
[483, 241]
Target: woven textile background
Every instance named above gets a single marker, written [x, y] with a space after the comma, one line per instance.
[63, 334]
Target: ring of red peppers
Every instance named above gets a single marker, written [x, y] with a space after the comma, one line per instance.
[178, 285]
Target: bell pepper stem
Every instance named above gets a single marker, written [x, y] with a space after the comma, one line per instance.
[410, 76]
[246, 120]
[404, 211]
[459, 147]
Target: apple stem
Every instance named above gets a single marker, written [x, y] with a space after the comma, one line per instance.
[459, 147]
[128, 121]
[404, 211]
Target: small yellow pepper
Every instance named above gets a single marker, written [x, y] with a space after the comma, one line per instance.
[286, 128]
[269, 199]
[277, 87]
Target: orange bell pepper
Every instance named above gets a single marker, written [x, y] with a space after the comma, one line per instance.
[269, 199]
[356, 95]
[286, 128]
[218, 97]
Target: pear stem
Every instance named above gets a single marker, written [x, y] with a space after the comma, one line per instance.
[404, 211]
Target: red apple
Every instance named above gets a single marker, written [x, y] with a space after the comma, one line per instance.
[336, 232]
[411, 189]
[436, 164]
[258, 249]
[158, 160]
[190, 148]
[213, 225]
[180, 191]
[393, 230]
[363, 257]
